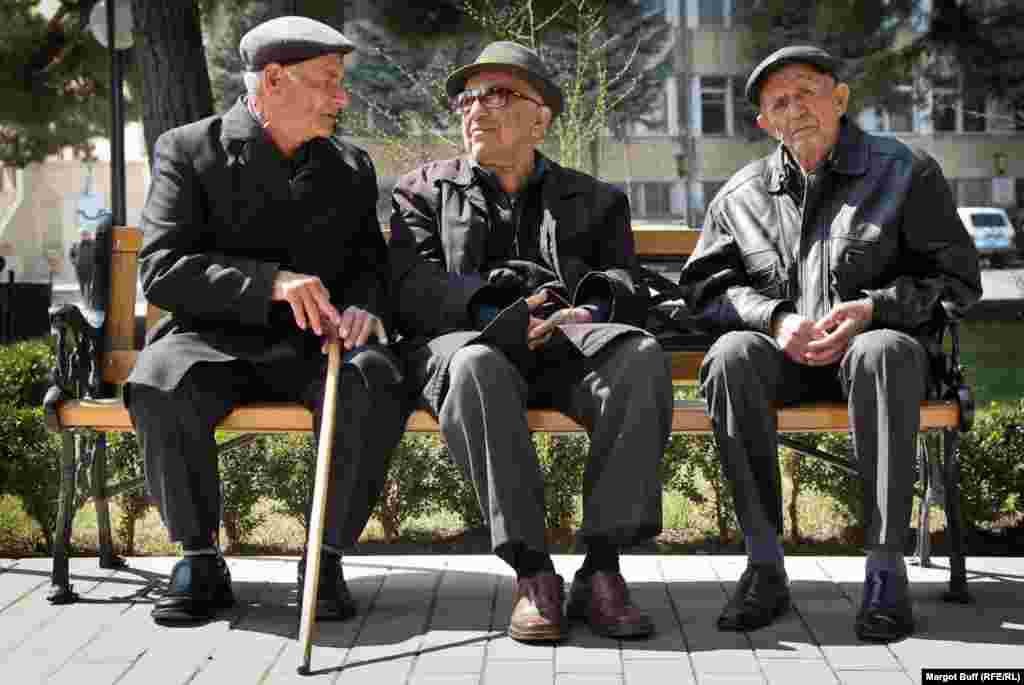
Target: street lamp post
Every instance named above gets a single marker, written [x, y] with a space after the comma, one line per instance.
[114, 18]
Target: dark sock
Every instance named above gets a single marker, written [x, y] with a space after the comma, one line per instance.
[526, 562]
[886, 559]
[764, 550]
[199, 546]
[602, 555]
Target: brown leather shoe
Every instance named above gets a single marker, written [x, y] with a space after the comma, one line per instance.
[602, 600]
[537, 608]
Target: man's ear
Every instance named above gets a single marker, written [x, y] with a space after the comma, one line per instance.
[767, 128]
[841, 98]
[272, 75]
[546, 115]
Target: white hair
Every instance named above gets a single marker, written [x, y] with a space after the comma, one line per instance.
[253, 81]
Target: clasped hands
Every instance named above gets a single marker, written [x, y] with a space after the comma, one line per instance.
[822, 342]
[311, 305]
[539, 330]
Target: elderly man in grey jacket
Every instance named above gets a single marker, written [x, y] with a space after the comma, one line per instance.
[513, 281]
[830, 264]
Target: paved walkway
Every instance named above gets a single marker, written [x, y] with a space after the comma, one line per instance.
[441, 619]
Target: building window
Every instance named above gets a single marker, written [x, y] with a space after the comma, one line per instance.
[649, 199]
[945, 102]
[744, 116]
[711, 12]
[713, 93]
[974, 112]
[973, 192]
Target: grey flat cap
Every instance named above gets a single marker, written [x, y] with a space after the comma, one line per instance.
[287, 40]
[794, 54]
[505, 55]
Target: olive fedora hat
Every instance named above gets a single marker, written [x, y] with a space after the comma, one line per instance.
[506, 55]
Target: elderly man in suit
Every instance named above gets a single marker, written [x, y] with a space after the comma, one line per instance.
[261, 237]
[514, 286]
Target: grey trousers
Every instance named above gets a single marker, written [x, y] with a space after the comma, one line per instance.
[622, 396]
[176, 433]
[883, 376]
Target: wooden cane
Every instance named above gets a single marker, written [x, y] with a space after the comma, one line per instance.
[307, 620]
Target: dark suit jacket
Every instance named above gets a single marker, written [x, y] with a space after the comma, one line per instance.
[224, 213]
[439, 230]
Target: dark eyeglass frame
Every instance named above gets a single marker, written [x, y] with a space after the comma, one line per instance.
[495, 97]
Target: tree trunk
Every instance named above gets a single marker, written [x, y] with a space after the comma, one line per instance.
[169, 49]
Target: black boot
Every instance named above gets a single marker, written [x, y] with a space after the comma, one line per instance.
[199, 585]
[333, 600]
[885, 612]
[761, 596]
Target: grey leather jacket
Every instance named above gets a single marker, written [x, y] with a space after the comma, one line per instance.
[880, 222]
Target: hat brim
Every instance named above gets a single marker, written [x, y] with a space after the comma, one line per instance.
[549, 92]
[819, 62]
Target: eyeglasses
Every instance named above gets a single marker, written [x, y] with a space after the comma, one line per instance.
[491, 98]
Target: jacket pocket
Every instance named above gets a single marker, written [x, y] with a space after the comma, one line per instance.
[765, 274]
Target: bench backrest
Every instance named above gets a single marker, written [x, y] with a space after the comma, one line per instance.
[121, 346]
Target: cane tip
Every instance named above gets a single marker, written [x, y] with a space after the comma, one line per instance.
[303, 670]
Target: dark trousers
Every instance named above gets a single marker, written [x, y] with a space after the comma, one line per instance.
[622, 396]
[176, 434]
[883, 377]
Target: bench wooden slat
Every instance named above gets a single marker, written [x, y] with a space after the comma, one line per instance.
[688, 416]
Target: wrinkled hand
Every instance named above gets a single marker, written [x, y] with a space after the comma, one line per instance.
[539, 331]
[309, 299]
[356, 327]
[794, 333]
[836, 329]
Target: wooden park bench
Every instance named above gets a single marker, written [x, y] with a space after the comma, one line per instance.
[93, 362]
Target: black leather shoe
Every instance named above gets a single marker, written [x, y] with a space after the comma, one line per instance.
[885, 613]
[333, 600]
[197, 588]
[761, 596]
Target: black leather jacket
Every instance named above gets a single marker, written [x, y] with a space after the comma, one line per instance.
[879, 222]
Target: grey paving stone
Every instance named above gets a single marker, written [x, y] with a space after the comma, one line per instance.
[506, 672]
[377, 673]
[874, 678]
[466, 659]
[786, 672]
[652, 671]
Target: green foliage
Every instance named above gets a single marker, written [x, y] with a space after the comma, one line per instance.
[411, 488]
[55, 79]
[123, 463]
[25, 371]
[992, 468]
[845, 490]
[241, 476]
[455, 492]
[289, 472]
[563, 459]
[30, 455]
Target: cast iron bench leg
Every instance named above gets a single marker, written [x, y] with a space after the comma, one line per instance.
[954, 521]
[99, 497]
[924, 465]
[61, 591]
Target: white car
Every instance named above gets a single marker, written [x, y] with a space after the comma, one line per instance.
[991, 230]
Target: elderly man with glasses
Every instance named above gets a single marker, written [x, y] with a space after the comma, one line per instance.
[261, 238]
[513, 283]
[830, 264]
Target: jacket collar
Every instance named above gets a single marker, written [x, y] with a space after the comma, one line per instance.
[555, 179]
[849, 157]
[239, 124]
